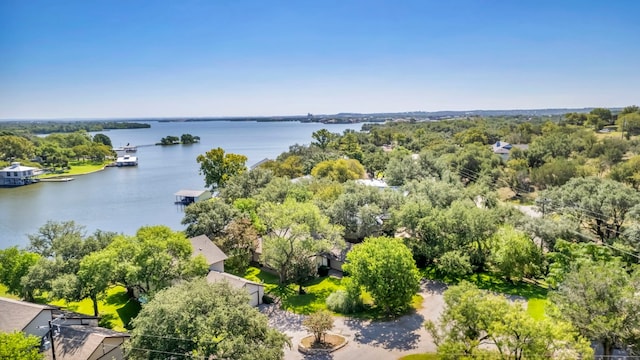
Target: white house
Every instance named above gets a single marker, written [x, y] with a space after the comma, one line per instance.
[255, 290]
[17, 175]
[202, 245]
[127, 160]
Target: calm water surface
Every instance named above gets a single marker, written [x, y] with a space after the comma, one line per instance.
[124, 199]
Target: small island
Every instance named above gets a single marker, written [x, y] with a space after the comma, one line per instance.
[185, 139]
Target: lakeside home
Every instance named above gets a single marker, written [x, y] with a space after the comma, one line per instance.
[127, 160]
[18, 175]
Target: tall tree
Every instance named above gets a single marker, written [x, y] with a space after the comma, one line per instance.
[514, 254]
[323, 138]
[339, 170]
[601, 300]
[385, 268]
[296, 234]
[218, 167]
[14, 264]
[475, 322]
[599, 204]
[208, 218]
[15, 148]
[201, 320]
[152, 259]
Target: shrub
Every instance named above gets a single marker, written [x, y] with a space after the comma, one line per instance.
[455, 264]
[346, 301]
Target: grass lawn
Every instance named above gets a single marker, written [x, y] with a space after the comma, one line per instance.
[316, 294]
[426, 356]
[493, 283]
[79, 168]
[115, 308]
[535, 308]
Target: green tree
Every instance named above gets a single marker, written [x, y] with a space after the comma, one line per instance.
[475, 321]
[602, 114]
[385, 268]
[152, 259]
[402, 169]
[239, 242]
[15, 148]
[600, 299]
[18, 346]
[318, 324]
[14, 264]
[514, 255]
[601, 205]
[102, 139]
[296, 234]
[208, 218]
[246, 184]
[339, 170]
[201, 320]
[629, 123]
[218, 167]
[323, 138]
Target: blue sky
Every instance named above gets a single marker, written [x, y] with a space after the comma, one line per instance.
[85, 59]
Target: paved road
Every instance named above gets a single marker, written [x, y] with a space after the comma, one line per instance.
[369, 340]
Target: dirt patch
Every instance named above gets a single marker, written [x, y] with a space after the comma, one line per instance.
[331, 342]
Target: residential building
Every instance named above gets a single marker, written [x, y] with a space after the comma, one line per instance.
[17, 175]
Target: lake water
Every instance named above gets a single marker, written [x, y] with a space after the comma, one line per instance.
[124, 199]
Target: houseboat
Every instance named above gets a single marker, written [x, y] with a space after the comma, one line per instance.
[18, 175]
[127, 160]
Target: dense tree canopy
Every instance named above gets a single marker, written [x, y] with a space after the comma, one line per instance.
[201, 320]
[218, 167]
[385, 268]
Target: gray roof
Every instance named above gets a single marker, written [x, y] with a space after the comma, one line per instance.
[235, 281]
[80, 342]
[203, 245]
[190, 193]
[16, 314]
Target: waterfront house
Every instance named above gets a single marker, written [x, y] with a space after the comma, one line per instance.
[30, 318]
[17, 175]
[127, 160]
[202, 245]
[186, 197]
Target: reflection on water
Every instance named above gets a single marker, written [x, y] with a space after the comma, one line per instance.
[124, 199]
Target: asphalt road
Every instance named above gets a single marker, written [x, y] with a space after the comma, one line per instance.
[366, 339]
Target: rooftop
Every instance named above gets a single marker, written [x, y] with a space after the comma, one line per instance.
[16, 314]
[190, 193]
[235, 281]
[202, 245]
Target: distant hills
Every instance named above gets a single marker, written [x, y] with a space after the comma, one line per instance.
[354, 117]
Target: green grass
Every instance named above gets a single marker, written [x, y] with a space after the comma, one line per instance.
[79, 168]
[116, 310]
[493, 283]
[317, 291]
[535, 308]
[426, 356]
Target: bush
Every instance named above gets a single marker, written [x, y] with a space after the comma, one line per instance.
[455, 264]
[346, 301]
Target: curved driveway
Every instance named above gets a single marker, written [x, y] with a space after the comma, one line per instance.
[369, 340]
